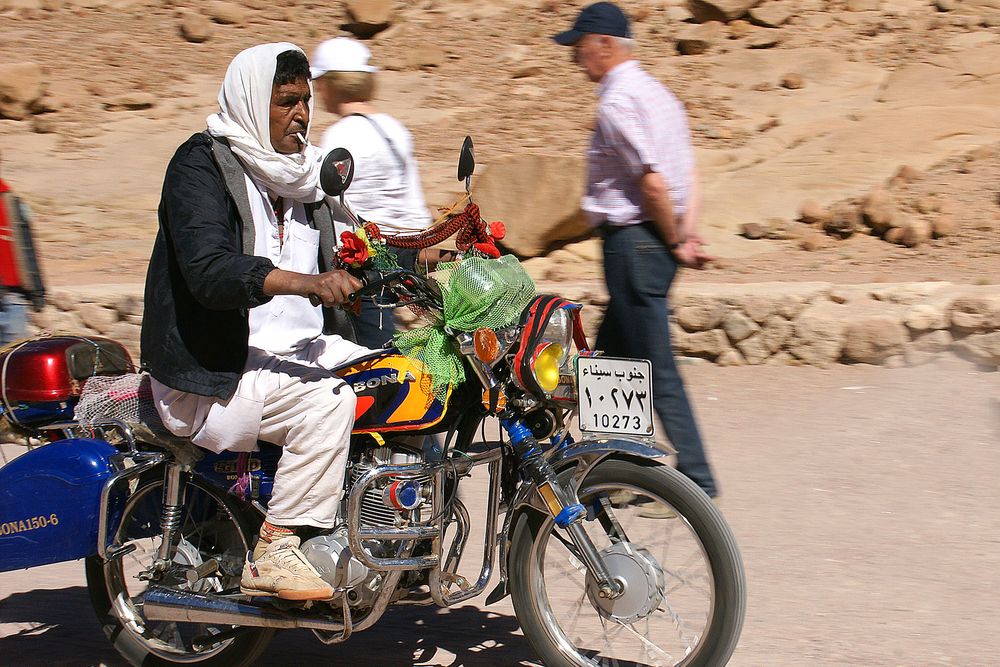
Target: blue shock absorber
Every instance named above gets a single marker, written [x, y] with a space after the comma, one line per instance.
[557, 500]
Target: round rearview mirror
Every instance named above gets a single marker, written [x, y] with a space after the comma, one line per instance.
[337, 172]
[466, 160]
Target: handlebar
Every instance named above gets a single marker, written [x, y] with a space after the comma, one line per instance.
[409, 287]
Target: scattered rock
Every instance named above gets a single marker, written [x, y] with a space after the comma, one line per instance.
[366, 18]
[720, 10]
[226, 13]
[945, 5]
[700, 316]
[813, 240]
[196, 28]
[738, 326]
[524, 71]
[792, 81]
[696, 39]
[21, 88]
[134, 101]
[781, 229]
[810, 211]
[908, 174]
[927, 205]
[42, 125]
[752, 230]
[537, 197]
[843, 222]
[880, 210]
[924, 317]
[425, 55]
[754, 350]
[944, 225]
[739, 29]
[764, 39]
[933, 341]
[874, 340]
[915, 233]
[771, 14]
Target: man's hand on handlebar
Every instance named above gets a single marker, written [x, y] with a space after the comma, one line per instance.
[331, 288]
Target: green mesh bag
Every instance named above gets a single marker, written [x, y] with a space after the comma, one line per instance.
[477, 292]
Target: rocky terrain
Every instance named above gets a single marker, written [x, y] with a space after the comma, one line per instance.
[845, 141]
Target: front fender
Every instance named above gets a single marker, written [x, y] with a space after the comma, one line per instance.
[582, 456]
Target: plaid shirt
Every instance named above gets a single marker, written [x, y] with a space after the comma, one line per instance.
[641, 127]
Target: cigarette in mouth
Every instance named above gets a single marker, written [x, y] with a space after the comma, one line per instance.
[302, 140]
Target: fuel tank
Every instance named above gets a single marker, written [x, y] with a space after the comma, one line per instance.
[49, 502]
[394, 394]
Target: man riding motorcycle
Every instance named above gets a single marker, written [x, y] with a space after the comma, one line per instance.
[240, 330]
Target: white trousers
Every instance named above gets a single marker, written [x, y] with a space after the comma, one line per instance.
[297, 403]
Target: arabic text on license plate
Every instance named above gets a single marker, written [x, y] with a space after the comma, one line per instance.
[615, 396]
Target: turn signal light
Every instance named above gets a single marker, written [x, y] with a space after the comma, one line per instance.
[486, 345]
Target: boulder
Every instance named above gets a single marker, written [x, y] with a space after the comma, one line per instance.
[772, 14]
[752, 230]
[776, 333]
[538, 199]
[720, 10]
[975, 313]
[813, 240]
[22, 87]
[730, 358]
[226, 13]
[739, 29]
[761, 38]
[366, 18]
[754, 349]
[818, 337]
[810, 211]
[944, 225]
[695, 39]
[704, 344]
[738, 326]
[894, 235]
[700, 315]
[915, 233]
[925, 317]
[873, 340]
[781, 229]
[96, 317]
[196, 28]
[880, 210]
[843, 222]
[984, 349]
[933, 341]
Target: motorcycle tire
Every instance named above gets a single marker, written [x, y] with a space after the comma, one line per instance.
[684, 509]
[104, 580]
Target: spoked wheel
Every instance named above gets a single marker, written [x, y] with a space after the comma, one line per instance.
[669, 548]
[212, 527]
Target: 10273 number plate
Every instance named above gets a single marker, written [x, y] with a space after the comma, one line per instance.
[615, 396]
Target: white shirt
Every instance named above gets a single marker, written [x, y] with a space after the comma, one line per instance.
[385, 190]
[641, 127]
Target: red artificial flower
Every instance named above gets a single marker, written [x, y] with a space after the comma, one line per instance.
[487, 248]
[498, 230]
[353, 251]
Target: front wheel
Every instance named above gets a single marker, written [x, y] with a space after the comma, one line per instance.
[213, 526]
[664, 542]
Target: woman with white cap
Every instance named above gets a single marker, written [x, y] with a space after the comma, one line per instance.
[386, 187]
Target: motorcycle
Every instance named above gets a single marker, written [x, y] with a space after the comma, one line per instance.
[610, 556]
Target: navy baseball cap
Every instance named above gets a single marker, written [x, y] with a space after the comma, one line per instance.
[601, 18]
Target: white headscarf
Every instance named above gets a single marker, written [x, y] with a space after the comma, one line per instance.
[244, 120]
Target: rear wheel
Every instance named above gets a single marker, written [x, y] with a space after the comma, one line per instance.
[666, 543]
[213, 526]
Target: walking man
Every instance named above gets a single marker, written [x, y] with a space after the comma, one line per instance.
[641, 194]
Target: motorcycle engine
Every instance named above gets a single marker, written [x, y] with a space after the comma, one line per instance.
[331, 554]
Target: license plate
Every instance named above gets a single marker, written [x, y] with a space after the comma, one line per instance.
[615, 396]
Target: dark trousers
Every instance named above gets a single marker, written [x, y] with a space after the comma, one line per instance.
[639, 269]
[376, 326]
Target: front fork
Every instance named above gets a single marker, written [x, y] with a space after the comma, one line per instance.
[562, 504]
[174, 490]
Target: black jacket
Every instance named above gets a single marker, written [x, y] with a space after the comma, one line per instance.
[203, 277]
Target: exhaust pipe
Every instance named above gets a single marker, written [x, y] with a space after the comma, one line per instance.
[167, 604]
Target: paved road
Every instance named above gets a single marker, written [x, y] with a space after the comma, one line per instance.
[865, 501]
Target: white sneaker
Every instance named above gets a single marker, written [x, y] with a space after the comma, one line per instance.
[283, 571]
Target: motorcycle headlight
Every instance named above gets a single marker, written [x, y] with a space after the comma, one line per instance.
[552, 352]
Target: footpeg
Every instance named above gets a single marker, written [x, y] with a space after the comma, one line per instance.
[116, 552]
[196, 574]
